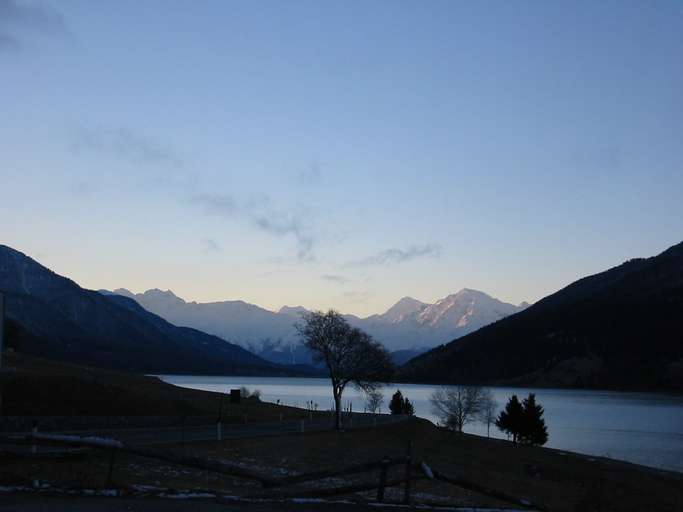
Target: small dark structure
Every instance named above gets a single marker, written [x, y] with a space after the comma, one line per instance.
[2, 323]
[235, 396]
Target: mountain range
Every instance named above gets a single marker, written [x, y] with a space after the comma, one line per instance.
[51, 316]
[621, 328]
[407, 328]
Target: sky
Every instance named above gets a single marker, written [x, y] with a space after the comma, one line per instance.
[340, 154]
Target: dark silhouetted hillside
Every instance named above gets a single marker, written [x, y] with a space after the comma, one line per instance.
[622, 329]
[51, 316]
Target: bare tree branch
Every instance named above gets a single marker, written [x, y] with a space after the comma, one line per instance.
[351, 355]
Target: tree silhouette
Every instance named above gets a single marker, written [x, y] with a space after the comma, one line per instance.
[351, 356]
[455, 406]
[374, 400]
[510, 419]
[534, 430]
[401, 405]
[524, 421]
[488, 411]
[408, 408]
[396, 404]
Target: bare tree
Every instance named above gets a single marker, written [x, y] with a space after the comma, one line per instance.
[489, 409]
[455, 406]
[351, 356]
[374, 400]
[245, 393]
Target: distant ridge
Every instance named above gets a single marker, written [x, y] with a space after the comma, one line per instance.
[51, 316]
[622, 328]
[409, 326]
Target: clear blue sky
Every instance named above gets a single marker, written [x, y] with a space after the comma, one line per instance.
[340, 154]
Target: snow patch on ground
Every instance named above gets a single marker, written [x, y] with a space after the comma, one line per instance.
[103, 442]
[187, 495]
[444, 509]
[250, 464]
[147, 488]
[15, 488]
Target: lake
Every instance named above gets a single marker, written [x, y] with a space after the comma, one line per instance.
[645, 428]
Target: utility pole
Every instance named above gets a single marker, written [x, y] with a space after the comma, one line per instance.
[2, 324]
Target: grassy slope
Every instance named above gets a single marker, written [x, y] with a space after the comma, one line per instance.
[619, 329]
[561, 481]
[38, 387]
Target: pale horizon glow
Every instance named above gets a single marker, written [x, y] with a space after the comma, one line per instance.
[340, 155]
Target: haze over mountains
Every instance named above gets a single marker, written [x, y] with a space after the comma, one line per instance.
[159, 332]
[621, 328]
[407, 328]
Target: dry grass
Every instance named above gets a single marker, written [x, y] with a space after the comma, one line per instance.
[38, 387]
[560, 481]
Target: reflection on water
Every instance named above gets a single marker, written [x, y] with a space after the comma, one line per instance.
[645, 428]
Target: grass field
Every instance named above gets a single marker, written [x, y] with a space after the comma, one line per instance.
[37, 387]
[560, 481]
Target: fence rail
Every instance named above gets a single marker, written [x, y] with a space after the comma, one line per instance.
[422, 470]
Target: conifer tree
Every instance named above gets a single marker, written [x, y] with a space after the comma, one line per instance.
[408, 408]
[396, 404]
[534, 430]
[510, 419]
[401, 405]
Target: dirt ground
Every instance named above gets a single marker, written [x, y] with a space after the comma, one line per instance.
[553, 479]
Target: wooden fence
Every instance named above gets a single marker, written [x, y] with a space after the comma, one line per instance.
[276, 486]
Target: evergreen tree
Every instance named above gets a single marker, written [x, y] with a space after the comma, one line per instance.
[396, 404]
[400, 405]
[510, 419]
[533, 429]
[408, 408]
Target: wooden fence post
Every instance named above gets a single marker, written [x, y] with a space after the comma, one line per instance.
[110, 471]
[182, 433]
[34, 431]
[409, 464]
[382, 479]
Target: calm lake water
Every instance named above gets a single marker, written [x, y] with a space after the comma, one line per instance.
[645, 428]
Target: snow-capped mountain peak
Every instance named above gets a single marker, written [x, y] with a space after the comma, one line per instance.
[467, 309]
[294, 311]
[155, 294]
[402, 309]
[158, 294]
[408, 324]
